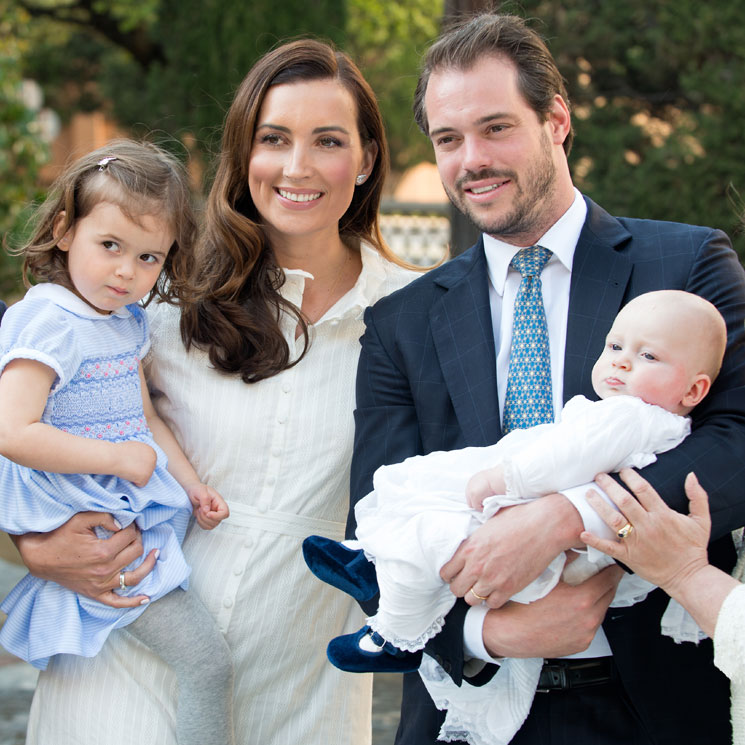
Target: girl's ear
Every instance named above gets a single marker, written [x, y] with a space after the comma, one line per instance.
[63, 239]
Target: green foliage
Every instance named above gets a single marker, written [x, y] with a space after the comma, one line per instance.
[656, 89]
[387, 40]
[22, 151]
[207, 48]
[165, 65]
[655, 85]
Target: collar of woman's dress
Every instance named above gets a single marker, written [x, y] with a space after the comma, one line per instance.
[365, 292]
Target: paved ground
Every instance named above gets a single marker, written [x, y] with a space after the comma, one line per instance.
[17, 681]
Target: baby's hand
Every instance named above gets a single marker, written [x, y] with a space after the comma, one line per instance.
[210, 509]
[136, 462]
[485, 484]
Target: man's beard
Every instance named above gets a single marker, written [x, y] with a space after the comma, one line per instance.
[527, 215]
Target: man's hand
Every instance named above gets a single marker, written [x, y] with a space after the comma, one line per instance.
[561, 623]
[72, 556]
[511, 549]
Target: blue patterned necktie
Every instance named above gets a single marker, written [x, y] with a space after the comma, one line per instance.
[529, 399]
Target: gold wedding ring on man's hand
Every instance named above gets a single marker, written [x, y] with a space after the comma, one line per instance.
[476, 595]
[625, 531]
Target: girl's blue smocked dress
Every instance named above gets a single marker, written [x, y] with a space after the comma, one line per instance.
[96, 394]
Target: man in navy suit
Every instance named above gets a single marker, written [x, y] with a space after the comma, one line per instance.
[433, 372]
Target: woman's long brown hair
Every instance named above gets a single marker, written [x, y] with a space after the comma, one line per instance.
[233, 306]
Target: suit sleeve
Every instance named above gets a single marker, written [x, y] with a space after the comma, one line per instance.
[387, 431]
[715, 450]
[386, 425]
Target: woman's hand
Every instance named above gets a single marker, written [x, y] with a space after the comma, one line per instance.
[74, 557]
[664, 546]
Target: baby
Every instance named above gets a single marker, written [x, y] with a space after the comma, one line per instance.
[661, 355]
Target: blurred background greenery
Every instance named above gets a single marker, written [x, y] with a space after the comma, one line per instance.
[656, 87]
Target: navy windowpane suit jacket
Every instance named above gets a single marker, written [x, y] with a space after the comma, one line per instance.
[427, 381]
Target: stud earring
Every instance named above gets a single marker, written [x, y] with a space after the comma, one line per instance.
[360, 179]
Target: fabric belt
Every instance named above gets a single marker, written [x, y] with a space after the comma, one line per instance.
[563, 675]
[246, 516]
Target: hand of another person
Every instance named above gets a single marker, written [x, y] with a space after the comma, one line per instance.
[210, 509]
[511, 549]
[664, 547]
[137, 462]
[74, 557]
[561, 623]
[485, 484]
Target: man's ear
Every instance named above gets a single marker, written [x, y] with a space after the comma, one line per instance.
[698, 390]
[560, 120]
[63, 239]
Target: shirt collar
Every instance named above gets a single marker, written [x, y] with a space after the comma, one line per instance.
[68, 300]
[561, 239]
[364, 293]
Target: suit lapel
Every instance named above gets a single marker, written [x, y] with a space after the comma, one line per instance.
[461, 326]
[464, 341]
[600, 276]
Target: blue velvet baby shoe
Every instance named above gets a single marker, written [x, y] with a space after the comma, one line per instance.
[366, 651]
[341, 567]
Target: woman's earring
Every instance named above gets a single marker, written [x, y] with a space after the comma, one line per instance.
[360, 179]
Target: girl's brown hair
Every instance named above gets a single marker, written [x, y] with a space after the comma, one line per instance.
[139, 178]
[233, 307]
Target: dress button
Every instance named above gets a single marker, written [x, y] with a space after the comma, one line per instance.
[276, 452]
[248, 543]
[286, 387]
[263, 507]
[271, 480]
[281, 419]
[228, 602]
[238, 569]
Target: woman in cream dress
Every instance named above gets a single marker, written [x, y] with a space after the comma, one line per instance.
[255, 374]
[669, 549]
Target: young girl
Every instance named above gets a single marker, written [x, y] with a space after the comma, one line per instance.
[79, 432]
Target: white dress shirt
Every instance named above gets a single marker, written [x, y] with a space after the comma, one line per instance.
[561, 239]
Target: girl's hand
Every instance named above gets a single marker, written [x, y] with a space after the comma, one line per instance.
[210, 509]
[136, 462]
